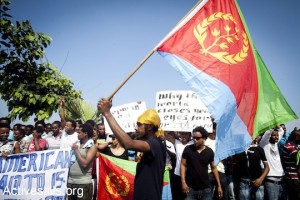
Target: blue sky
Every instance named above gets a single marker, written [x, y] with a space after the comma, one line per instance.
[97, 43]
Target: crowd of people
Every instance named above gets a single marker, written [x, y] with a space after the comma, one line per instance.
[268, 169]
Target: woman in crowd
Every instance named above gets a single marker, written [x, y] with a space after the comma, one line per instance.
[114, 149]
[54, 139]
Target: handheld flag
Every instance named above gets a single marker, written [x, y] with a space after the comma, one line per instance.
[213, 51]
[116, 178]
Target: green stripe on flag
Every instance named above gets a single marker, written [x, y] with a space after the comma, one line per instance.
[127, 165]
[272, 108]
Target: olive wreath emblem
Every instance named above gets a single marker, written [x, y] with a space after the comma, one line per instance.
[117, 185]
[200, 32]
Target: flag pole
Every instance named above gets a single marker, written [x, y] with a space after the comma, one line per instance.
[148, 56]
[131, 74]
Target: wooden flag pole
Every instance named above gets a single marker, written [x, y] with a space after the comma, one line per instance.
[146, 58]
[131, 74]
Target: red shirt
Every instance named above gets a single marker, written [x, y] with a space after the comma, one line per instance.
[42, 144]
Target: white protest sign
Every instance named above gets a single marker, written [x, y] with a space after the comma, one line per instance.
[182, 111]
[36, 175]
[126, 115]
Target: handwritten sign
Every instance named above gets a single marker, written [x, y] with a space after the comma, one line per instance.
[36, 175]
[182, 111]
[126, 115]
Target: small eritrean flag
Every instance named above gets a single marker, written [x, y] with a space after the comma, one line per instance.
[116, 178]
[213, 51]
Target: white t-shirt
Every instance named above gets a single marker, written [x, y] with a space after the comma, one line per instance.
[212, 144]
[179, 150]
[54, 142]
[171, 148]
[68, 140]
[272, 153]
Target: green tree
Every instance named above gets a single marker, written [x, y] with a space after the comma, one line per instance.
[29, 84]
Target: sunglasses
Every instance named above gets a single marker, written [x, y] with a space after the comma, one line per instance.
[196, 138]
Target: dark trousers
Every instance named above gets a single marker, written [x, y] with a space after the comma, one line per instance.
[214, 185]
[177, 193]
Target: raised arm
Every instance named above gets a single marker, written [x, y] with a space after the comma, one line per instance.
[62, 112]
[125, 140]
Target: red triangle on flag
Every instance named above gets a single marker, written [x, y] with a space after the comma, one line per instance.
[114, 182]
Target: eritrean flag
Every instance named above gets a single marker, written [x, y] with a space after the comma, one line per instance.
[213, 51]
[116, 178]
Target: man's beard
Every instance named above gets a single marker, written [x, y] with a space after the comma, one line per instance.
[140, 137]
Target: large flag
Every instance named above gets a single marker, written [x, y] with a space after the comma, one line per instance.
[116, 178]
[213, 51]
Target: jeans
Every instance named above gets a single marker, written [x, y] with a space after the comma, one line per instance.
[247, 192]
[204, 194]
[230, 188]
[275, 191]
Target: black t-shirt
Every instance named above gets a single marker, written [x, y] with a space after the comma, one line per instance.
[250, 164]
[108, 151]
[197, 166]
[148, 181]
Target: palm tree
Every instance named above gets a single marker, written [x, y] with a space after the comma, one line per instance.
[80, 109]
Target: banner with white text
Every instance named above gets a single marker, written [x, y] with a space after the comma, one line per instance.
[37, 175]
[126, 115]
[182, 111]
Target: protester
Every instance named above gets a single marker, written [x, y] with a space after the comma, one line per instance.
[37, 143]
[21, 141]
[94, 166]
[179, 144]
[194, 168]
[101, 131]
[291, 149]
[80, 174]
[231, 177]
[211, 143]
[69, 136]
[274, 185]
[170, 166]
[92, 123]
[6, 121]
[95, 135]
[148, 181]
[54, 139]
[171, 161]
[251, 173]
[78, 123]
[42, 124]
[28, 131]
[7, 146]
[115, 149]
[48, 128]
